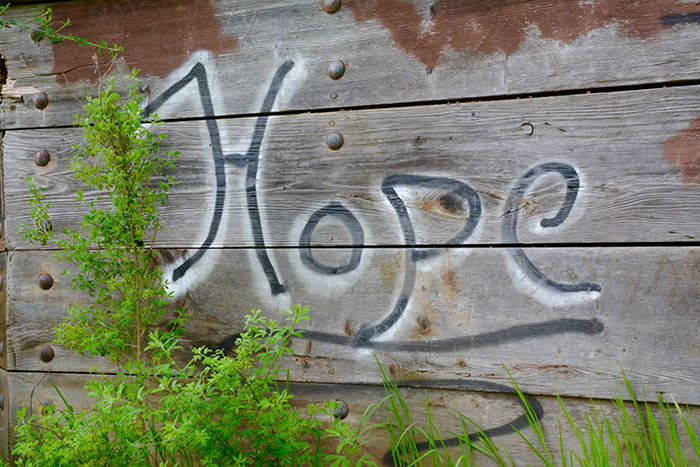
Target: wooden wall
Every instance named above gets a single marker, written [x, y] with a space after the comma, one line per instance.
[519, 185]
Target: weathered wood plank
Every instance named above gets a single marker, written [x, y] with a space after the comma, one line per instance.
[3, 310]
[489, 410]
[631, 157]
[397, 51]
[447, 318]
[4, 414]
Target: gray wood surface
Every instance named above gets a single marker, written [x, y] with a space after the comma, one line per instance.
[3, 310]
[467, 312]
[5, 414]
[490, 411]
[634, 153]
[399, 51]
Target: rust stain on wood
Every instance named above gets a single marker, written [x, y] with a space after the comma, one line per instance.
[424, 325]
[348, 328]
[157, 35]
[489, 26]
[683, 151]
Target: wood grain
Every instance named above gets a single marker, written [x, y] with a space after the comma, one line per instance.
[3, 310]
[489, 410]
[395, 52]
[5, 414]
[467, 312]
[635, 154]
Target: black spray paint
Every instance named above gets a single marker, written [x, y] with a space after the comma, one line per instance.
[509, 231]
[338, 211]
[250, 160]
[200, 74]
[520, 423]
[457, 192]
[456, 189]
[680, 18]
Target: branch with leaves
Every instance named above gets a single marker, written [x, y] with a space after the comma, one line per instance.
[41, 27]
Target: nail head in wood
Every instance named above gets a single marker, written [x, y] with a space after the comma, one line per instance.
[41, 100]
[335, 140]
[330, 6]
[46, 353]
[45, 280]
[42, 158]
[336, 69]
[342, 410]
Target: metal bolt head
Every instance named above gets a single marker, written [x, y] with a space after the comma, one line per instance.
[330, 6]
[342, 411]
[46, 353]
[45, 280]
[41, 100]
[42, 158]
[336, 69]
[335, 140]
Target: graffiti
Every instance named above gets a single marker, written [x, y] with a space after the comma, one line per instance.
[509, 233]
[519, 423]
[358, 239]
[249, 160]
[491, 26]
[457, 194]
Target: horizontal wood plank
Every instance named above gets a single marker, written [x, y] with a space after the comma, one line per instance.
[465, 174]
[3, 310]
[491, 411]
[563, 320]
[4, 414]
[397, 51]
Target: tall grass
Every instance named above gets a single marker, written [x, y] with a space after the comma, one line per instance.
[632, 434]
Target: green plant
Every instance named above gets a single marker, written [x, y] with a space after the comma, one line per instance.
[412, 445]
[113, 249]
[631, 434]
[41, 27]
[214, 410]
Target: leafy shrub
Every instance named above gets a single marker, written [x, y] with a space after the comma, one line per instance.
[215, 410]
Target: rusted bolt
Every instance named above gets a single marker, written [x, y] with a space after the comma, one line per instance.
[424, 324]
[42, 158]
[46, 353]
[335, 140]
[41, 100]
[45, 280]
[342, 410]
[336, 69]
[334, 95]
[330, 6]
